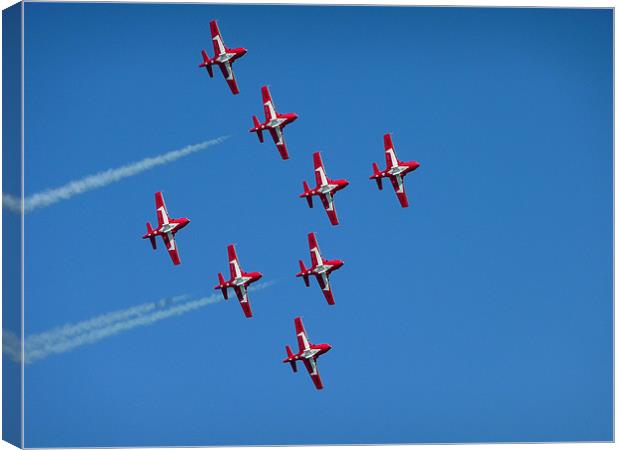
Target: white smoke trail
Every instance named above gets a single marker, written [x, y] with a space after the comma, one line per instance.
[90, 182]
[70, 336]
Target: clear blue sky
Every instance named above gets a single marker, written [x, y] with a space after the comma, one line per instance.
[481, 313]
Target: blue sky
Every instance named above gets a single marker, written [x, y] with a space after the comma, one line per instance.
[481, 313]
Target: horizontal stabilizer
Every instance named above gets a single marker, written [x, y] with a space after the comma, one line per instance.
[308, 197]
[377, 176]
[149, 230]
[303, 273]
[290, 355]
[256, 128]
[220, 278]
[206, 62]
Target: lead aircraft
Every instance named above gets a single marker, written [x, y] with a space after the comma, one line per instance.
[239, 281]
[224, 57]
[321, 269]
[167, 227]
[395, 170]
[308, 353]
[274, 123]
[325, 189]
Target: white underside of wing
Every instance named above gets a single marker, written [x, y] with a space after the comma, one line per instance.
[317, 254]
[236, 268]
[399, 182]
[220, 45]
[164, 214]
[322, 175]
[171, 242]
[304, 339]
[330, 202]
[229, 73]
[392, 155]
[325, 281]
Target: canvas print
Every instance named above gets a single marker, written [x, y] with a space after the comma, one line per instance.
[299, 224]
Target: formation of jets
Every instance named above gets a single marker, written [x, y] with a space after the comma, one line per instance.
[325, 189]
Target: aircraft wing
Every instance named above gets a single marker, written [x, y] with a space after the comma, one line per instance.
[323, 280]
[270, 107]
[244, 301]
[390, 155]
[162, 212]
[302, 337]
[229, 76]
[233, 261]
[171, 246]
[399, 188]
[315, 253]
[278, 138]
[218, 42]
[313, 370]
[319, 170]
[330, 208]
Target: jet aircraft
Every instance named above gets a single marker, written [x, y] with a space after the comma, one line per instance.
[308, 354]
[321, 269]
[274, 123]
[325, 189]
[167, 227]
[395, 171]
[224, 58]
[239, 281]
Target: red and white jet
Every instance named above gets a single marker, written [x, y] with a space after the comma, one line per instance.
[395, 171]
[167, 227]
[308, 353]
[274, 122]
[224, 57]
[321, 269]
[325, 189]
[239, 281]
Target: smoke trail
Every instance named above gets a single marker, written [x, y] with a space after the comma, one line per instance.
[90, 182]
[68, 337]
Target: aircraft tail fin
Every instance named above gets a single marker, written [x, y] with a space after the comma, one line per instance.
[221, 286]
[303, 273]
[257, 129]
[289, 354]
[206, 62]
[149, 230]
[306, 194]
[376, 176]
